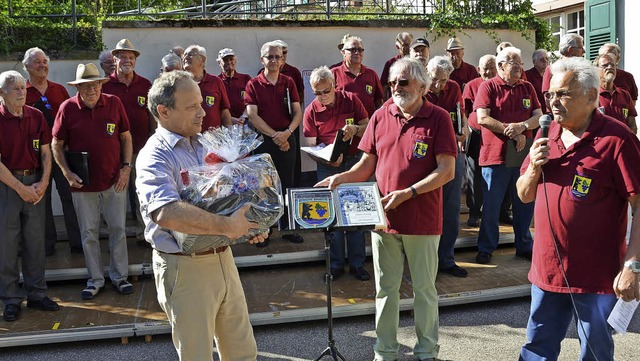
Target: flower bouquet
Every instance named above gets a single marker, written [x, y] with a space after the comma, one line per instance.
[229, 179]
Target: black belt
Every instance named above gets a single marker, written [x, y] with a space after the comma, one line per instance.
[24, 172]
[202, 253]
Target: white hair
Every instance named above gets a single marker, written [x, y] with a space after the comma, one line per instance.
[30, 53]
[416, 70]
[506, 53]
[569, 41]
[538, 54]
[10, 77]
[264, 50]
[617, 50]
[320, 74]
[440, 62]
[583, 72]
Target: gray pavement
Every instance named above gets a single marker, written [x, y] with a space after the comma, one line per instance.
[484, 331]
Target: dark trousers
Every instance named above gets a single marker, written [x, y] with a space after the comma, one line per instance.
[70, 218]
[474, 175]
[285, 163]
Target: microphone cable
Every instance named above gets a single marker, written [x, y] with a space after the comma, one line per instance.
[562, 269]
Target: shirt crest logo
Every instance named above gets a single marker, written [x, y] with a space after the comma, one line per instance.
[625, 112]
[349, 121]
[111, 128]
[580, 186]
[526, 103]
[420, 149]
[454, 116]
[142, 101]
[369, 89]
[210, 100]
[242, 94]
[36, 144]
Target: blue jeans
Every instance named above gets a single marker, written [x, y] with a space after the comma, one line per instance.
[497, 181]
[451, 196]
[355, 239]
[549, 320]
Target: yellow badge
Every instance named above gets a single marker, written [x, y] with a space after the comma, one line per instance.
[369, 89]
[142, 101]
[580, 186]
[348, 121]
[454, 116]
[242, 94]
[526, 103]
[420, 149]
[625, 112]
[111, 128]
[36, 144]
[210, 100]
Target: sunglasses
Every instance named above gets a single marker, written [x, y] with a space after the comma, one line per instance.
[323, 92]
[355, 50]
[401, 82]
[272, 57]
[46, 102]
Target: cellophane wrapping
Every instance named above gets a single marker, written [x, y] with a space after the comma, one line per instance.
[228, 180]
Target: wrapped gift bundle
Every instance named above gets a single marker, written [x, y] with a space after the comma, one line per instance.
[229, 179]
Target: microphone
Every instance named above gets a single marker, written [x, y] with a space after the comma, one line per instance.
[545, 123]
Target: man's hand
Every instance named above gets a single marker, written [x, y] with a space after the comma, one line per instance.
[28, 193]
[521, 141]
[514, 129]
[73, 179]
[41, 189]
[259, 238]
[330, 182]
[349, 131]
[237, 120]
[280, 138]
[626, 285]
[394, 199]
[239, 225]
[539, 153]
[284, 147]
[123, 179]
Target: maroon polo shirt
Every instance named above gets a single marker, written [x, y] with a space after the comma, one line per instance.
[335, 65]
[272, 99]
[464, 74]
[507, 104]
[468, 96]
[324, 122]
[96, 131]
[53, 96]
[235, 86]
[406, 153]
[366, 85]
[546, 80]
[134, 100]
[447, 99]
[535, 79]
[625, 80]
[294, 73]
[22, 138]
[214, 100]
[588, 185]
[617, 104]
[384, 78]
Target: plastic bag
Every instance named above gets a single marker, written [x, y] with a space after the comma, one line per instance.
[227, 181]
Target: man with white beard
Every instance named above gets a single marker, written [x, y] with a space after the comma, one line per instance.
[614, 101]
[410, 145]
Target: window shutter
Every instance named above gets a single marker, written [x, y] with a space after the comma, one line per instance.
[600, 18]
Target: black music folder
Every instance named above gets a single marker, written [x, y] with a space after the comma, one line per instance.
[79, 164]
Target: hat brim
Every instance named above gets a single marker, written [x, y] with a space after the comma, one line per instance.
[115, 51]
[455, 48]
[89, 80]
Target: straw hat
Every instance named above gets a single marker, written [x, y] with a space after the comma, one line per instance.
[86, 73]
[454, 44]
[125, 44]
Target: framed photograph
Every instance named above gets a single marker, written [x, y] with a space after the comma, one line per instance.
[359, 205]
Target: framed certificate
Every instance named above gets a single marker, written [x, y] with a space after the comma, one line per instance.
[354, 205]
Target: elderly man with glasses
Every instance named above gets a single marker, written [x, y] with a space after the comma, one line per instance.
[273, 108]
[411, 146]
[614, 101]
[47, 96]
[356, 78]
[508, 111]
[329, 112]
[403, 42]
[214, 95]
[96, 124]
[624, 79]
[582, 177]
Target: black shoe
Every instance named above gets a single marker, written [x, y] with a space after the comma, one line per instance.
[45, 304]
[473, 221]
[11, 312]
[455, 271]
[360, 273]
[526, 255]
[263, 244]
[336, 273]
[293, 238]
[483, 257]
[77, 250]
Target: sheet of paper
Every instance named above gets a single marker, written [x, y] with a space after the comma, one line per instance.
[321, 151]
[621, 315]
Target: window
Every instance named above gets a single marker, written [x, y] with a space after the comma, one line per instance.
[566, 23]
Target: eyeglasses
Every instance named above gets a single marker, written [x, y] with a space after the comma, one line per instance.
[323, 92]
[512, 63]
[607, 65]
[46, 102]
[272, 57]
[401, 82]
[355, 50]
[562, 95]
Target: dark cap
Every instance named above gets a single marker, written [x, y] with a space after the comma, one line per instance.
[419, 42]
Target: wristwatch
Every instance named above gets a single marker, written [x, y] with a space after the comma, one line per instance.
[634, 266]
